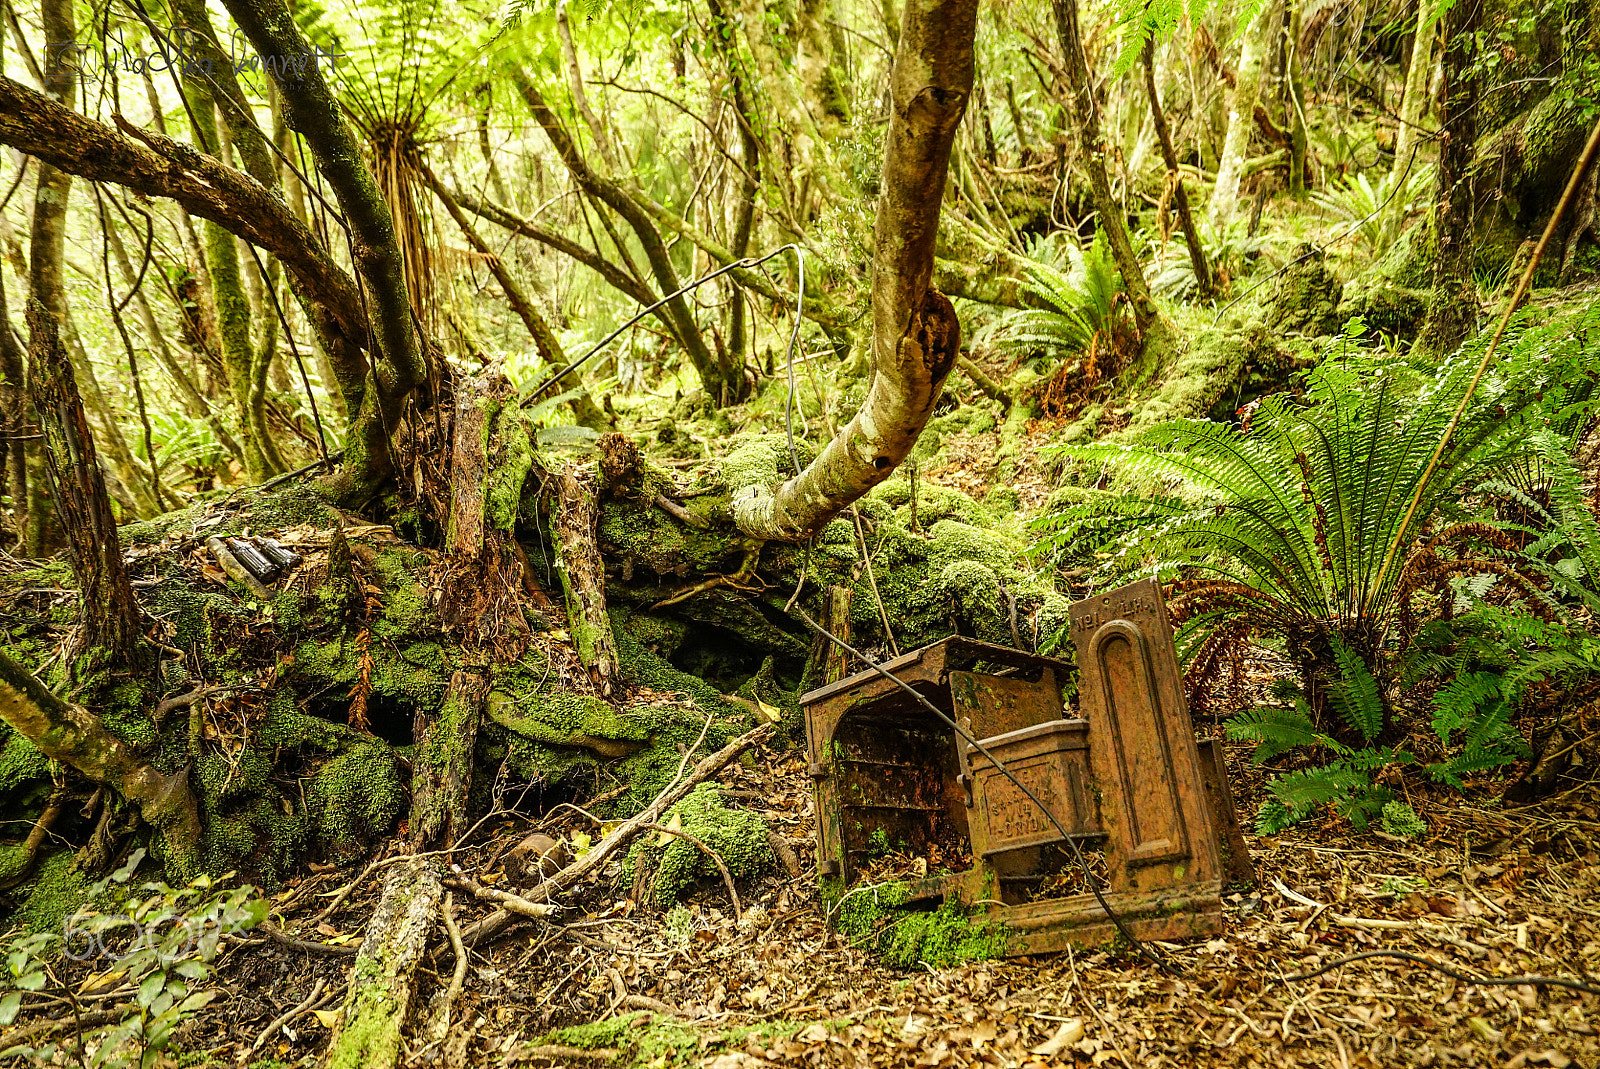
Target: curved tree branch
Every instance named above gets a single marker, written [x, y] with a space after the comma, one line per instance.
[160, 167]
[76, 737]
[915, 333]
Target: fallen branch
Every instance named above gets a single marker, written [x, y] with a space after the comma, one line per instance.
[727, 877]
[625, 833]
[308, 946]
[679, 513]
[80, 1021]
[552, 1053]
[990, 388]
[458, 978]
[368, 1032]
[539, 911]
[184, 701]
[30, 847]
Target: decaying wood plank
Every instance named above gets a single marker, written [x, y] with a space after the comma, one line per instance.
[383, 980]
[572, 520]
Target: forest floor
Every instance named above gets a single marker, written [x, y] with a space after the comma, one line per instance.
[1491, 893]
[1487, 891]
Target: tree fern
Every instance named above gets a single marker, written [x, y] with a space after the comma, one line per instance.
[1071, 306]
[1284, 530]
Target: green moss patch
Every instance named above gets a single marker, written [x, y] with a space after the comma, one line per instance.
[739, 837]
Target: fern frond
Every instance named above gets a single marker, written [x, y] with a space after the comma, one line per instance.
[1355, 696]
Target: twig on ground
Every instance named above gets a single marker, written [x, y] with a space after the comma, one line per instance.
[458, 978]
[313, 1000]
[625, 833]
[541, 911]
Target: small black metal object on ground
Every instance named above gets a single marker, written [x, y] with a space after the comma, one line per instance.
[253, 562]
[1124, 781]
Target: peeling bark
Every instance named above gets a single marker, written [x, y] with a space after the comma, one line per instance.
[915, 332]
[573, 517]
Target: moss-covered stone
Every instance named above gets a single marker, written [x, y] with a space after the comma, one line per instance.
[739, 837]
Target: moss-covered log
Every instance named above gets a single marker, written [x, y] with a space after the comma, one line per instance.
[441, 777]
[573, 520]
[368, 1033]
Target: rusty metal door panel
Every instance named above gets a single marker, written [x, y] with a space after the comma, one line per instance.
[1117, 667]
[1130, 685]
[988, 705]
[1236, 864]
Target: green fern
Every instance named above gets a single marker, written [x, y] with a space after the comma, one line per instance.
[1275, 731]
[1072, 306]
[1355, 696]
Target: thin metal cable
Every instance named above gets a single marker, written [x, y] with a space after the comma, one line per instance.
[1159, 961]
[746, 263]
[794, 340]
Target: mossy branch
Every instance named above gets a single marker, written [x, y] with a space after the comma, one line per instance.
[915, 333]
[77, 738]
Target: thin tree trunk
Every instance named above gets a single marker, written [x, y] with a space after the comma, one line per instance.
[312, 110]
[824, 86]
[1241, 123]
[159, 167]
[1414, 100]
[722, 37]
[1180, 196]
[915, 333]
[137, 495]
[725, 385]
[580, 98]
[1085, 109]
[584, 410]
[109, 615]
[1453, 307]
[193, 403]
[1299, 142]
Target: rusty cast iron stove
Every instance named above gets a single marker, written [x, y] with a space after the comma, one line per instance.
[1125, 779]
